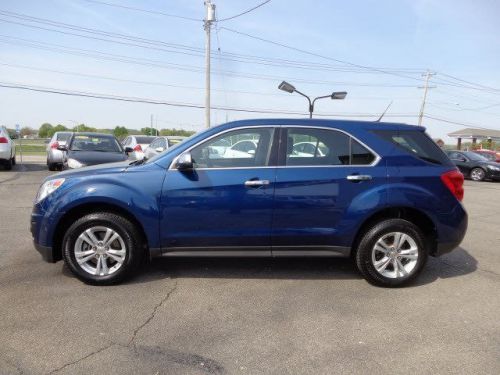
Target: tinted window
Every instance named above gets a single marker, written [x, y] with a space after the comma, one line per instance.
[473, 156]
[63, 136]
[310, 146]
[416, 143]
[100, 143]
[218, 151]
[144, 140]
[360, 155]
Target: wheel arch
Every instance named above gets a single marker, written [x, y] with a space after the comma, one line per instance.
[83, 209]
[413, 215]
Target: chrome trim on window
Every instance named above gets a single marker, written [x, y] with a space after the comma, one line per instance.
[373, 164]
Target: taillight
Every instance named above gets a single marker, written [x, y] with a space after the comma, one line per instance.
[454, 180]
[3, 140]
[138, 148]
[54, 145]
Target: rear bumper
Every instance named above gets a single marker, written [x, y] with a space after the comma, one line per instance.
[449, 238]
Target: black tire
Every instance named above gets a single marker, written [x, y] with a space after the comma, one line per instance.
[8, 165]
[477, 174]
[367, 244]
[14, 160]
[130, 235]
[52, 166]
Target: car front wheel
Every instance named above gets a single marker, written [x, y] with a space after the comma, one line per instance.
[392, 253]
[102, 248]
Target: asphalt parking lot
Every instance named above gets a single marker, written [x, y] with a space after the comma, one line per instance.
[245, 316]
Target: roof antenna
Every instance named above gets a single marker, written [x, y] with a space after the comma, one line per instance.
[382, 115]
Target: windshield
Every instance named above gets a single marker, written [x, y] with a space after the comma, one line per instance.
[63, 136]
[473, 156]
[144, 140]
[97, 143]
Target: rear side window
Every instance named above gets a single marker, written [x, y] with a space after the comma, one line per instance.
[323, 147]
[416, 143]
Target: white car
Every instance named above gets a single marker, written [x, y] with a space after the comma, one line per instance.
[7, 149]
[161, 144]
[136, 144]
[309, 149]
[54, 155]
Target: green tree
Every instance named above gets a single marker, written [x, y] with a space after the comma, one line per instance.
[59, 128]
[120, 132]
[46, 130]
[83, 128]
[178, 132]
[149, 131]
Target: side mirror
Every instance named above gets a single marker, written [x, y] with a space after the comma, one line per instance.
[62, 148]
[159, 149]
[184, 162]
[128, 150]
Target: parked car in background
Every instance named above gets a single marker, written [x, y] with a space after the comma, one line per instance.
[137, 144]
[7, 149]
[84, 149]
[490, 155]
[475, 166]
[54, 155]
[384, 194]
[161, 144]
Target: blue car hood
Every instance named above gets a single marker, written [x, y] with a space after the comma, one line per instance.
[94, 170]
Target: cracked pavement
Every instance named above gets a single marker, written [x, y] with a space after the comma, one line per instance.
[248, 316]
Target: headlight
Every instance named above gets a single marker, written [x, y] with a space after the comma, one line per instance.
[72, 163]
[48, 188]
[493, 168]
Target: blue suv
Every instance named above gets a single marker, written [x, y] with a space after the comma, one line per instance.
[383, 194]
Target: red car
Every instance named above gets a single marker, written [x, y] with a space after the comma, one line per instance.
[490, 155]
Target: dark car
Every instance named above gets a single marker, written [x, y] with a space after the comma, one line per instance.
[84, 149]
[384, 194]
[475, 166]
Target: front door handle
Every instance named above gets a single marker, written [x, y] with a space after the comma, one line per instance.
[359, 177]
[256, 183]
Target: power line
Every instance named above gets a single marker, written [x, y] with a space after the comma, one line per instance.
[245, 12]
[457, 123]
[183, 67]
[156, 12]
[317, 54]
[179, 104]
[192, 51]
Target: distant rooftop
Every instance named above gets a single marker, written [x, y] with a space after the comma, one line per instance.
[475, 133]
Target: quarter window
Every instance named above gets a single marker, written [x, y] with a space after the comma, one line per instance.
[235, 149]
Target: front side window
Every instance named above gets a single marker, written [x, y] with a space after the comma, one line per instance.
[235, 149]
[323, 147]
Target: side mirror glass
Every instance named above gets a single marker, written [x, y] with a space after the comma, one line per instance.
[184, 162]
[128, 150]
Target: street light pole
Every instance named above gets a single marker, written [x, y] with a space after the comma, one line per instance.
[336, 95]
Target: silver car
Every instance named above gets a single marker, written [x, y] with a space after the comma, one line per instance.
[55, 156]
[161, 144]
[135, 145]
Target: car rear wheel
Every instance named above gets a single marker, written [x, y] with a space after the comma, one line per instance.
[477, 174]
[392, 253]
[102, 248]
[8, 165]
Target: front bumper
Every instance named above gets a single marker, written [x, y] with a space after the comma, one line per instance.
[492, 174]
[46, 252]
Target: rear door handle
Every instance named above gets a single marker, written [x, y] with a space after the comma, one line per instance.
[359, 177]
[256, 183]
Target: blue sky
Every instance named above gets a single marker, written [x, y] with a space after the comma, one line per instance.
[458, 38]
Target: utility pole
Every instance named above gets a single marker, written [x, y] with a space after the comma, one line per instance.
[207, 26]
[427, 76]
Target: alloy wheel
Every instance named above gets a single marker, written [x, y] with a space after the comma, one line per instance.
[100, 251]
[395, 255]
